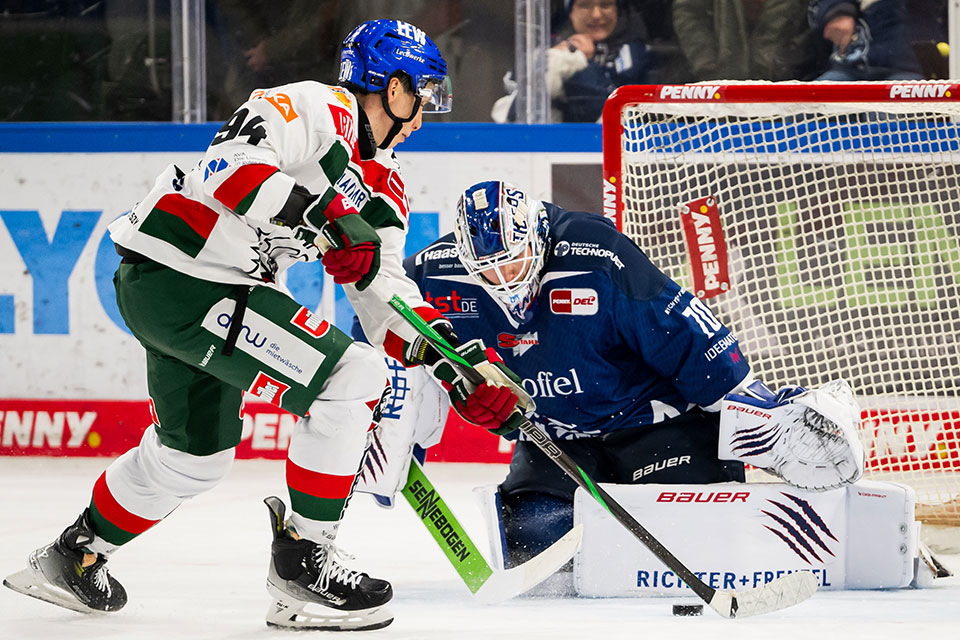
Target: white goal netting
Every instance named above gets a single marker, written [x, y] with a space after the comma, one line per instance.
[822, 222]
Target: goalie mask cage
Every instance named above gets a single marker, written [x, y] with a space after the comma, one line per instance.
[822, 221]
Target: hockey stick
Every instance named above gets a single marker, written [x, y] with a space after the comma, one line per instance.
[778, 594]
[488, 585]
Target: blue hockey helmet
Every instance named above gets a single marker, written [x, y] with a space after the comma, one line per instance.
[501, 238]
[377, 48]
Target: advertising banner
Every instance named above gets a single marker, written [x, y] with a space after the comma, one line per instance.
[73, 378]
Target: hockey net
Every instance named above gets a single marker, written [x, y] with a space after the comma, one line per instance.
[822, 222]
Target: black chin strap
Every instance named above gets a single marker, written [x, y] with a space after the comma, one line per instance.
[397, 122]
[366, 142]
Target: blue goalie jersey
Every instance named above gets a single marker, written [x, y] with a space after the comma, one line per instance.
[610, 342]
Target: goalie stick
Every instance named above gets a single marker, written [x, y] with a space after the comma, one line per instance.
[488, 585]
[778, 594]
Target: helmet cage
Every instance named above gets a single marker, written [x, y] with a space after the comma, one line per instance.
[498, 230]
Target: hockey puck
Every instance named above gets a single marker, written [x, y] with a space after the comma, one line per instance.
[687, 609]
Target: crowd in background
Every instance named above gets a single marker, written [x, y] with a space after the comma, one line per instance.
[110, 60]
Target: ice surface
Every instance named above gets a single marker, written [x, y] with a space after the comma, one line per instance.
[200, 574]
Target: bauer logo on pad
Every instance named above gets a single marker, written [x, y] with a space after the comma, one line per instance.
[575, 302]
[706, 247]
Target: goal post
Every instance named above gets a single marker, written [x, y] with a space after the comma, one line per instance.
[822, 220]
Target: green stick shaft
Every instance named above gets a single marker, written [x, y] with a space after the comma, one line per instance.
[445, 529]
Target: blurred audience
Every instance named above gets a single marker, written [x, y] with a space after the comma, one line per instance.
[75, 60]
[869, 39]
[266, 43]
[54, 60]
[597, 48]
[744, 39]
[138, 86]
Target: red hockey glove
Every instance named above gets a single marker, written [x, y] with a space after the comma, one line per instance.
[488, 406]
[351, 265]
[355, 252]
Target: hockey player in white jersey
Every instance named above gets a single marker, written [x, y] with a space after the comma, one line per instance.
[202, 255]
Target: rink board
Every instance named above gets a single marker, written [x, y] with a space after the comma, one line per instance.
[72, 378]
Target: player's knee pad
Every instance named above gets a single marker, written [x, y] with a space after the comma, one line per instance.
[167, 476]
[351, 394]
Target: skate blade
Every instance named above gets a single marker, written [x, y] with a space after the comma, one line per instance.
[287, 613]
[29, 583]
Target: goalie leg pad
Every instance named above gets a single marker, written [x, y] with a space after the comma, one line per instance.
[414, 414]
[521, 527]
[809, 440]
[531, 523]
[861, 537]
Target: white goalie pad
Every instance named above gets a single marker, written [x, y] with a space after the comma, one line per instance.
[810, 440]
[741, 536]
[414, 413]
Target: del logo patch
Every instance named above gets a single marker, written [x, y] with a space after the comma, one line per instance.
[267, 388]
[312, 324]
[343, 122]
[575, 302]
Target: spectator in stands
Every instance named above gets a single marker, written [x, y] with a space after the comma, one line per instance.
[869, 39]
[139, 76]
[267, 43]
[744, 39]
[54, 60]
[597, 49]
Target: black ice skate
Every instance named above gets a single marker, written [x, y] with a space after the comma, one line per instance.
[55, 574]
[312, 590]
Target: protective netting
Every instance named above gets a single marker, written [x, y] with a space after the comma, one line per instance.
[842, 231]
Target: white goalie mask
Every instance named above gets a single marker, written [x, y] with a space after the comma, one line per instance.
[501, 241]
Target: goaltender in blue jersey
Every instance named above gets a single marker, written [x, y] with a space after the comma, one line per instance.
[627, 369]
[603, 341]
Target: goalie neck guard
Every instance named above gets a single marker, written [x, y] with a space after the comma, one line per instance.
[377, 49]
[501, 240]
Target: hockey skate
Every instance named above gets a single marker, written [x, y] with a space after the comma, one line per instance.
[55, 574]
[313, 590]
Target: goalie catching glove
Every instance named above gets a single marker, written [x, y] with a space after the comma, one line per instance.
[808, 438]
[490, 405]
[353, 246]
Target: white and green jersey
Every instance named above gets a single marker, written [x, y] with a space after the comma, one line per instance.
[214, 221]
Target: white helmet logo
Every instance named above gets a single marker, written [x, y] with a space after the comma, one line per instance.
[407, 30]
[479, 199]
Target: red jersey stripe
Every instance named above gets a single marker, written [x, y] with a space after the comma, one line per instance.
[199, 217]
[318, 485]
[110, 509]
[242, 182]
[386, 181]
[393, 345]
